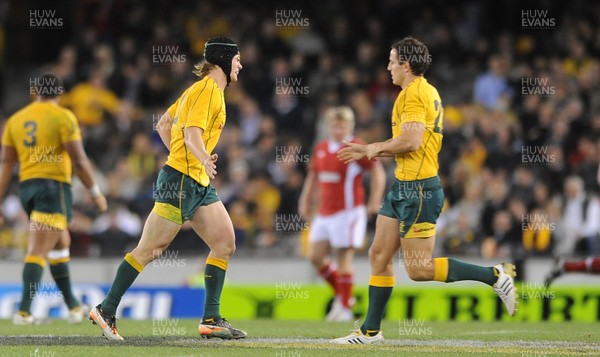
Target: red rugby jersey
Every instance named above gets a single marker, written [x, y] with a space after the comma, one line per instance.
[341, 185]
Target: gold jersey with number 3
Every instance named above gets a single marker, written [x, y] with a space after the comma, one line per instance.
[419, 102]
[201, 105]
[38, 132]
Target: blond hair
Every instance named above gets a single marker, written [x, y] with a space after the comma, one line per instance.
[202, 68]
[344, 113]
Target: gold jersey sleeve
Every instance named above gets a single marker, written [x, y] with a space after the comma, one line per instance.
[419, 102]
[38, 132]
[201, 105]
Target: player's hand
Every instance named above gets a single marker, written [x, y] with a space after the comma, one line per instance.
[372, 151]
[210, 165]
[352, 152]
[100, 202]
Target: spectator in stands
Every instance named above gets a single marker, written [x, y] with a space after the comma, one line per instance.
[579, 221]
[491, 88]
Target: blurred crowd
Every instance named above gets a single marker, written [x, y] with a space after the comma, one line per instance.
[521, 131]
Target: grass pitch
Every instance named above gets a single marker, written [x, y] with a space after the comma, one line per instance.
[179, 337]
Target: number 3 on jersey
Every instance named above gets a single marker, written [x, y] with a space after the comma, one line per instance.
[437, 128]
[31, 127]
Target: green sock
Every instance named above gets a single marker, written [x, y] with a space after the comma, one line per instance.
[60, 273]
[126, 275]
[458, 271]
[32, 274]
[214, 277]
[378, 299]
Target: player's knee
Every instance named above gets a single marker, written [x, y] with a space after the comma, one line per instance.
[375, 254]
[225, 248]
[317, 260]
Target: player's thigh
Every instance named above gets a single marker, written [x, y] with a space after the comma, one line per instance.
[386, 242]
[318, 252]
[417, 252]
[425, 199]
[157, 234]
[64, 241]
[213, 224]
[42, 239]
[48, 204]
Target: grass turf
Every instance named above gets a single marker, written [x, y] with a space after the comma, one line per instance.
[178, 337]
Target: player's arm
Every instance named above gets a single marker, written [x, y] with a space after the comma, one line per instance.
[410, 140]
[164, 129]
[377, 188]
[8, 160]
[83, 170]
[206, 105]
[192, 137]
[308, 194]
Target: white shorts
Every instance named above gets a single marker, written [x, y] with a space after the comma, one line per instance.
[345, 229]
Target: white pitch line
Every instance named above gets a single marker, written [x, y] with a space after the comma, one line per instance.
[595, 346]
[499, 332]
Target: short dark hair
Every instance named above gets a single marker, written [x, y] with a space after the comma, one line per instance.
[48, 86]
[415, 53]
